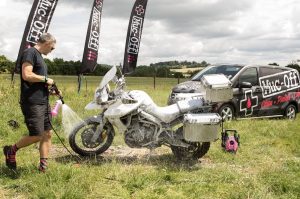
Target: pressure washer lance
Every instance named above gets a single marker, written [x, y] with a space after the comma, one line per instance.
[58, 104]
[54, 89]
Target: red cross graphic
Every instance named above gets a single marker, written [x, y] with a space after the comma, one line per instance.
[140, 10]
[98, 2]
[248, 103]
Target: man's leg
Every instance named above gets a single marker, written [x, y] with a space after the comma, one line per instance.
[10, 151]
[27, 140]
[45, 145]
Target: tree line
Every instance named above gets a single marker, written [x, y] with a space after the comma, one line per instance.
[59, 66]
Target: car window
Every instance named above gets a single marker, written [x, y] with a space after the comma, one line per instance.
[249, 75]
[269, 71]
[228, 70]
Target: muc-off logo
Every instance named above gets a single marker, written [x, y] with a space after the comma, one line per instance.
[95, 30]
[98, 3]
[41, 18]
[279, 83]
[135, 35]
[140, 10]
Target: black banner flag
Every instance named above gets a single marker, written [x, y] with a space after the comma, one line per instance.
[90, 54]
[134, 34]
[37, 23]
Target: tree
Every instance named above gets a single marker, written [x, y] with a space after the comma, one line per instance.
[163, 72]
[273, 64]
[294, 66]
[178, 75]
[6, 65]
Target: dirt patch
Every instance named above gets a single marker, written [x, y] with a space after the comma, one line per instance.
[116, 151]
[124, 151]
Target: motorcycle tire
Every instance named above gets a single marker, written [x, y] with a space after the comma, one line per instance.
[194, 152]
[81, 134]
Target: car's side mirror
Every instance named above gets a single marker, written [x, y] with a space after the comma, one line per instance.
[245, 85]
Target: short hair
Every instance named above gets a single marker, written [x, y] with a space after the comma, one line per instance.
[46, 37]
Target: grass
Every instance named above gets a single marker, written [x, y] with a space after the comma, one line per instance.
[267, 165]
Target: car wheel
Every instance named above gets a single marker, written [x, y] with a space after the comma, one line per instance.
[227, 112]
[290, 112]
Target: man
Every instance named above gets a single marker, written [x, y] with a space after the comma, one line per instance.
[34, 102]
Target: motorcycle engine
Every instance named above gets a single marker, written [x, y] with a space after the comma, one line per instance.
[139, 134]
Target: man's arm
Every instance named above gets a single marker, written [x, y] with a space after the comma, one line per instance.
[29, 76]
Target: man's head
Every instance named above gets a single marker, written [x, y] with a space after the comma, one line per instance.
[46, 43]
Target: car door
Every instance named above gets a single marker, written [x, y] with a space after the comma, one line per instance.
[247, 100]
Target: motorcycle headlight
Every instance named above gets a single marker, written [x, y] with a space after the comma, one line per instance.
[101, 95]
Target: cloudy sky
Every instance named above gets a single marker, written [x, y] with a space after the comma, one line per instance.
[217, 31]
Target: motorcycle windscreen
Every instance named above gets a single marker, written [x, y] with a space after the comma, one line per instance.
[108, 77]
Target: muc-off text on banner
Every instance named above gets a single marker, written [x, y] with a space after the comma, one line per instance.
[93, 43]
[135, 35]
[90, 53]
[41, 20]
[279, 83]
[95, 30]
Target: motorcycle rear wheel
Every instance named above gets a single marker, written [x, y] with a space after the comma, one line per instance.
[79, 138]
[195, 151]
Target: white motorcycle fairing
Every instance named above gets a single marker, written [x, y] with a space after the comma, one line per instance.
[118, 110]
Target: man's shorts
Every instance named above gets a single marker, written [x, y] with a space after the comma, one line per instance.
[37, 118]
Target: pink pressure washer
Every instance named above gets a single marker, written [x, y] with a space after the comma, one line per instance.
[230, 139]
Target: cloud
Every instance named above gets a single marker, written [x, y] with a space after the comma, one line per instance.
[216, 30]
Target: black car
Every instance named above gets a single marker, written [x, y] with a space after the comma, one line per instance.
[258, 91]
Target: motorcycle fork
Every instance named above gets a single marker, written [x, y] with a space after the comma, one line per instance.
[98, 131]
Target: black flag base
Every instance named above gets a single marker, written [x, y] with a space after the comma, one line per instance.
[80, 77]
[79, 82]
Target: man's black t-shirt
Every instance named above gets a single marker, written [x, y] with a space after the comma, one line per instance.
[34, 93]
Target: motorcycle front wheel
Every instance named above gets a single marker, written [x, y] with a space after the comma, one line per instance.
[195, 151]
[80, 139]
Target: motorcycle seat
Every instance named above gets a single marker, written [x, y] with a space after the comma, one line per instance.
[165, 114]
[170, 113]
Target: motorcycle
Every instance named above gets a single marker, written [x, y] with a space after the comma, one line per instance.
[187, 127]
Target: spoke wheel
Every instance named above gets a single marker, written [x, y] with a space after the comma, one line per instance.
[195, 151]
[81, 142]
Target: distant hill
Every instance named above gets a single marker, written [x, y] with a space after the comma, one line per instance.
[187, 72]
[180, 64]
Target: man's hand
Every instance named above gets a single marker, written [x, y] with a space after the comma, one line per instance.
[50, 81]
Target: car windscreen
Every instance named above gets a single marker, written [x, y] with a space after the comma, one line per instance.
[228, 70]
